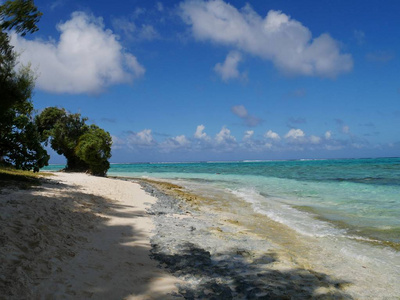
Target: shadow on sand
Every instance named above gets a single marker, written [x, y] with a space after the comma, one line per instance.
[235, 275]
[217, 264]
[54, 244]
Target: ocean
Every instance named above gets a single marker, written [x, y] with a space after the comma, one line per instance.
[347, 209]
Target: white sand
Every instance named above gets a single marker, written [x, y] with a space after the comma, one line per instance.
[85, 237]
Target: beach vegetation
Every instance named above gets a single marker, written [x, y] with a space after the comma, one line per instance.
[10, 176]
[94, 148]
[19, 139]
[87, 148]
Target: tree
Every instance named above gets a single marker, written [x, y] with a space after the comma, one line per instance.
[94, 148]
[86, 148]
[19, 140]
[20, 15]
[63, 130]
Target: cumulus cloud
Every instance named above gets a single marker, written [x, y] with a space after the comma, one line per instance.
[141, 139]
[277, 38]
[295, 134]
[229, 69]
[315, 139]
[225, 141]
[174, 143]
[225, 137]
[200, 134]
[86, 58]
[248, 135]
[241, 112]
[328, 135]
[272, 135]
[117, 143]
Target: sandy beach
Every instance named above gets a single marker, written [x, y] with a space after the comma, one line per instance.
[83, 237]
[79, 237]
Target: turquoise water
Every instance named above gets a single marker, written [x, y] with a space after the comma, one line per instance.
[357, 198]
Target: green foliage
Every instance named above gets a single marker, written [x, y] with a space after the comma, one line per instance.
[20, 15]
[86, 148]
[20, 143]
[63, 130]
[94, 147]
[19, 140]
[16, 86]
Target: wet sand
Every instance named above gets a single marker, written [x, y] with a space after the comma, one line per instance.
[221, 245]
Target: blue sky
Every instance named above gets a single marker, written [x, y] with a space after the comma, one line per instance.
[219, 80]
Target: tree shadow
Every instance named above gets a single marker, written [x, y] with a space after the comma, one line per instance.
[237, 275]
[57, 242]
[223, 266]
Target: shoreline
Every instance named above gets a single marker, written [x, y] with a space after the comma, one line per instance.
[216, 256]
[80, 236]
[333, 266]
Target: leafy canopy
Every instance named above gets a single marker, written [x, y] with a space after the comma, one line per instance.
[20, 15]
[86, 148]
[94, 147]
[19, 139]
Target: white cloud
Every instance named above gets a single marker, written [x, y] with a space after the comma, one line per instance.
[181, 140]
[229, 69]
[272, 135]
[200, 134]
[277, 37]
[295, 134]
[117, 143]
[242, 113]
[328, 135]
[224, 141]
[248, 135]
[86, 58]
[225, 137]
[315, 139]
[143, 138]
[174, 143]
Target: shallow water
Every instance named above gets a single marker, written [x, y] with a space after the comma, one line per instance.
[354, 197]
[346, 210]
